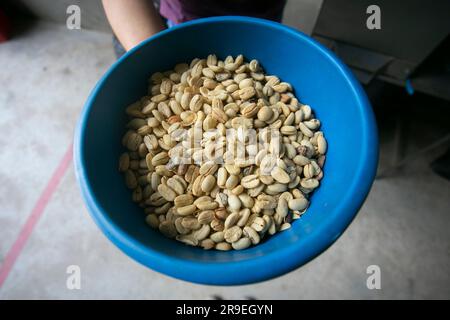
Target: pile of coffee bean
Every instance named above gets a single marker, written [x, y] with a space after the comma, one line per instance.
[220, 155]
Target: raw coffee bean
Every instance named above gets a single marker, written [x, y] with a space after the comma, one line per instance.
[200, 187]
[234, 202]
[176, 185]
[298, 204]
[305, 130]
[276, 188]
[247, 93]
[208, 183]
[251, 181]
[217, 225]
[309, 183]
[321, 144]
[167, 228]
[265, 113]
[160, 158]
[232, 182]
[237, 190]
[246, 200]
[205, 217]
[166, 192]
[208, 168]
[243, 217]
[183, 200]
[309, 171]
[223, 246]
[187, 239]
[232, 169]
[202, 233]
[285, 226]
[221, 213]
[152, 220]
[251, 233]
[258, 224]
[280, 175]
[282, 207]
[186, 210]
[179, 226]
[133, 142]
[241, 244]
[217, 236]
[190, 223]
[233, 234]
[231, 220]
[288, 130]
[207, 244]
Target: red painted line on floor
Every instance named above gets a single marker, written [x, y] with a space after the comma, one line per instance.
[34, 216]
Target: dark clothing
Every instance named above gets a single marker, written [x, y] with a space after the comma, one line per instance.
[179, 11]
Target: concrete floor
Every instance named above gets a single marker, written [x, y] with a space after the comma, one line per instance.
[45, 77]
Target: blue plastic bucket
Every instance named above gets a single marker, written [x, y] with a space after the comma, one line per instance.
[319, 79]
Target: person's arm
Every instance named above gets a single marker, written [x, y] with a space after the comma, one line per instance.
[132, 21]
